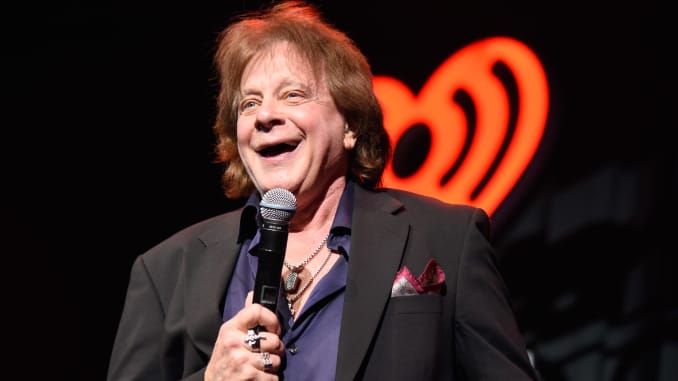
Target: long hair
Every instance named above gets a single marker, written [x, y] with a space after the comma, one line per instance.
[329, 52]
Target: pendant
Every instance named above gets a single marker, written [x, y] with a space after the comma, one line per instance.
[291, 281]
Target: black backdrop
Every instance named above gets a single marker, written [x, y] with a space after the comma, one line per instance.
[107, 149]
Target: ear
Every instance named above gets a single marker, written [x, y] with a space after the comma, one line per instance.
[349, 139]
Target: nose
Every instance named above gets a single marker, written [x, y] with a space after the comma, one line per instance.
[268, 116]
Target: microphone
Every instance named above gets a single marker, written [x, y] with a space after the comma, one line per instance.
[276, 208]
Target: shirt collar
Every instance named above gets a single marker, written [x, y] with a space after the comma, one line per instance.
[249, 219]
[343, 217]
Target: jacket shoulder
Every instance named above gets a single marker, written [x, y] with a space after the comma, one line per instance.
[196, 236]
[429, 203]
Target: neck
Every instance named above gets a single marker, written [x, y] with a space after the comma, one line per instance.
[316, 212]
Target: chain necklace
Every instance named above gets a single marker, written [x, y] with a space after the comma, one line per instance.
[291, 280]
[293, 298]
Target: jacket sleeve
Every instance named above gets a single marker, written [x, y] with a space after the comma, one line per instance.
[136, 349]
[488, 341]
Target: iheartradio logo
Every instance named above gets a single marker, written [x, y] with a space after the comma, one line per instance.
[474, 127]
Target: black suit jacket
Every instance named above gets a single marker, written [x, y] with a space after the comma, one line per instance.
[174, 301]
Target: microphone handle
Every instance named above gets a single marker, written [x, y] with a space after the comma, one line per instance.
[271, 254]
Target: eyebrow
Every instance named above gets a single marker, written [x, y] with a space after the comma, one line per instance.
[285, 83]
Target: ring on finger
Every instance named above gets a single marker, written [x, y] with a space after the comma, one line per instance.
[252, 339]
[266, 360]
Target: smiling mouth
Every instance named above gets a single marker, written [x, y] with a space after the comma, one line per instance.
[277, 150]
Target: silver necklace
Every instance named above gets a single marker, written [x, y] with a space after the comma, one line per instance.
[292, 278]
[293, 298]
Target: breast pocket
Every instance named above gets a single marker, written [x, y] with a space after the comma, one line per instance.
[410, 337]
[415, 304]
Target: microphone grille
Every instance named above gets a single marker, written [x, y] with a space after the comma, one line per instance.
[278, 204]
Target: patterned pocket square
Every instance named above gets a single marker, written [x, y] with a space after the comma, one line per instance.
[430, 281]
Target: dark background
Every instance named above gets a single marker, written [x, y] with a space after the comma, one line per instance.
[107, 149]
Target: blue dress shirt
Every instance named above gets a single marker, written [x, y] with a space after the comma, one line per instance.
[312, 340]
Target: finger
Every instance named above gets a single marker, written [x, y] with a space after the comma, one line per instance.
[263, 319]
[273, 345]
[249, 298]
[253, 340]
[252, 316]
[264, 342]
[267, 362]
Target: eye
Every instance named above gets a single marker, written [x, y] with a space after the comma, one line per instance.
[247, 105]
[295, 96]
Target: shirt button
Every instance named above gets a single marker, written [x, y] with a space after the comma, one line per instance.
[293, 349]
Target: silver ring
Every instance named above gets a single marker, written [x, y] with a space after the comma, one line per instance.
[266, 359]
[252, 339]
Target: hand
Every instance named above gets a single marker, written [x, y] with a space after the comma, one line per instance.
[233, 359]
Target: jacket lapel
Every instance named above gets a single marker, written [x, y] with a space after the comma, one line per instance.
[208, 271]
[378, 237]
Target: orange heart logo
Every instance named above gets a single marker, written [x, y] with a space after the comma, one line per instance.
[474, 128]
